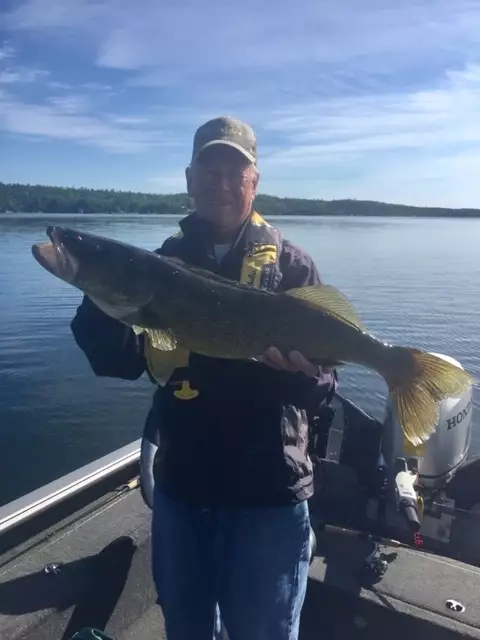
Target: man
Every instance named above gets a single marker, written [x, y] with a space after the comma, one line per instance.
[230, 517]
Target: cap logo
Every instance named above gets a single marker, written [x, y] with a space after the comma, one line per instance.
[232, 130]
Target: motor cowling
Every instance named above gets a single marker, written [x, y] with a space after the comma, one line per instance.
[447, 448]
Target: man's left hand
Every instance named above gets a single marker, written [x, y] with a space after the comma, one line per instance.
[293, 362]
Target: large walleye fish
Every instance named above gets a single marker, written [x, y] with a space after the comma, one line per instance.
[181, 307]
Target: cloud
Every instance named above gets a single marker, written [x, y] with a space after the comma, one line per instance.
[52, 14]
[364, 99]
[165, 36]
[444, 114]
[59, 86]
[444, 180]
[6, 52]
[70, 118]
[13, 73]
[130, 120]
[20, 75]
[96, 86]
[70, 104]
[375, 140]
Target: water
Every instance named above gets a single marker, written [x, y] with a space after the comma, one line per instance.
[415, 281]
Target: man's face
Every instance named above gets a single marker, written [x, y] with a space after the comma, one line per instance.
[223, 184]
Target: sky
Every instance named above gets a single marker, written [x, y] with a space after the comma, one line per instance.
[365, 99]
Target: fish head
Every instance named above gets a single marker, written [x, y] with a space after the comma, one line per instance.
[105, 269]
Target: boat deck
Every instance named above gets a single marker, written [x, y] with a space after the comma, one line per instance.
[104, 581]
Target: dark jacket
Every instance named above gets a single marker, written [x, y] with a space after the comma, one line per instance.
[243, 440]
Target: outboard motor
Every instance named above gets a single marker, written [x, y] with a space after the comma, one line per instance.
[426, 470]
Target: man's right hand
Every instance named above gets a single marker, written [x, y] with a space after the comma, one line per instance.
[294, 362]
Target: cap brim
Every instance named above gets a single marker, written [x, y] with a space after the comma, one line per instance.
[227, 143]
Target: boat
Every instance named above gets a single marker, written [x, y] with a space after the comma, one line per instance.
[395, 550]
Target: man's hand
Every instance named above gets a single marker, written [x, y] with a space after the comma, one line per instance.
[293, 362]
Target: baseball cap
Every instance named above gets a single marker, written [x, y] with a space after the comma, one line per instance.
[225, 130]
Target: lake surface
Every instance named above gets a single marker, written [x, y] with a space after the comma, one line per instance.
[415, 282]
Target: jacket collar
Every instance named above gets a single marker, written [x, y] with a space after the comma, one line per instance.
[200, 231]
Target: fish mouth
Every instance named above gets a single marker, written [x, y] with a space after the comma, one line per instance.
[54, 257]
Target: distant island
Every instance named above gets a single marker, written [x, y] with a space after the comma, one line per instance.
[26, 198]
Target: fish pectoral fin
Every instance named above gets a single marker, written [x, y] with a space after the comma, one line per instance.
[331, 300]
[117, 312]
[162, 339]
[163, 363]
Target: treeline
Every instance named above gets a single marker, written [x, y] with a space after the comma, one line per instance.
[25, 198]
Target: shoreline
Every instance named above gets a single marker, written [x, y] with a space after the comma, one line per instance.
[18, 199]
[423, 215]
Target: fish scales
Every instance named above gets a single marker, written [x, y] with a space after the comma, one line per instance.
[177, 306]
[241, 322]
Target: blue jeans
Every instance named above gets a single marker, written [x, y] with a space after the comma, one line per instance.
[248, 565]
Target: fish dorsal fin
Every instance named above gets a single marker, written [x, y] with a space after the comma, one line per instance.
[331, 300]
[162, 339]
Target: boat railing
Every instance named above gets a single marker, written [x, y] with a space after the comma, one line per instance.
[63, 489]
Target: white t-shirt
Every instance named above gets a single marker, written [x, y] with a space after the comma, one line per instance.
[220, 251]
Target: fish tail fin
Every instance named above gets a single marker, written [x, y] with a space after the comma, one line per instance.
[418, 381]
